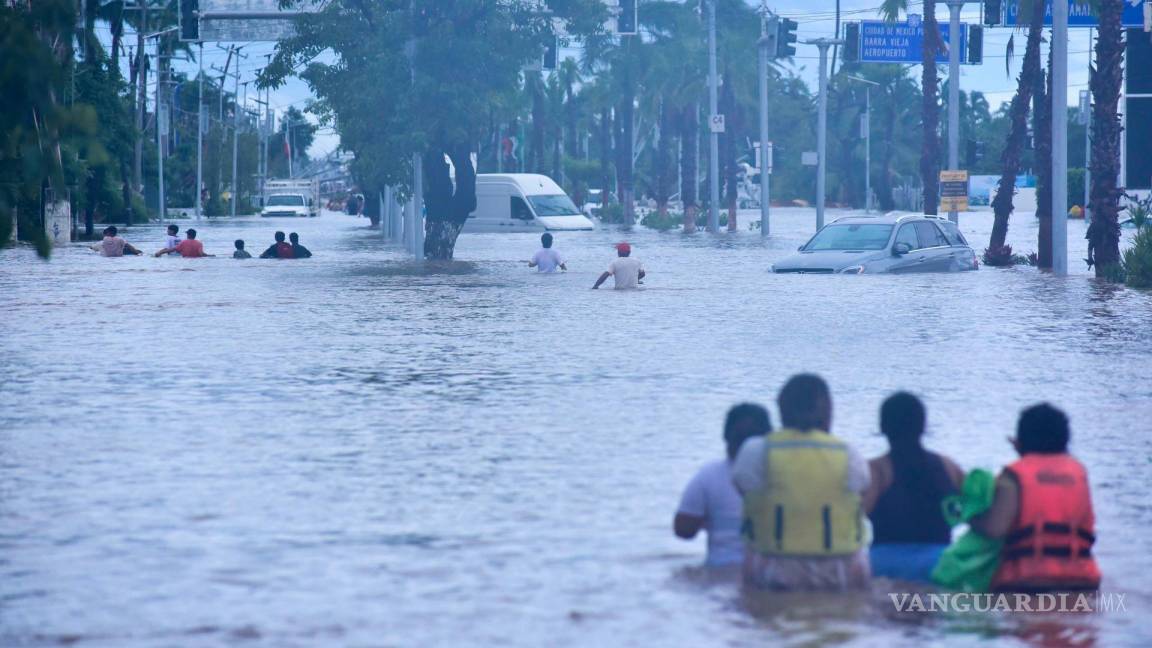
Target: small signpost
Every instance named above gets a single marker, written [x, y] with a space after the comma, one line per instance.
[716, 124]
[954, 191]
[809, 158]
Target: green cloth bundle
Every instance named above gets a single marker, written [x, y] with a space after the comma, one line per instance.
[969, 563]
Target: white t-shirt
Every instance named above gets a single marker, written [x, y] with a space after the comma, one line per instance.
[712, 496]
[547, 259]
[171, 241]
[626, 271]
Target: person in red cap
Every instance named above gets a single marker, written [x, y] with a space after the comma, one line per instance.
[627, 271]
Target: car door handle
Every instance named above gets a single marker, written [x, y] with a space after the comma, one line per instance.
[921, 259]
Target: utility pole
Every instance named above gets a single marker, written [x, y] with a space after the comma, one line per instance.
[1059, 101]
[200, 138]
[866, 131]
[161, 126]
[954, 7]
[1086, 119]
[822, 125]
[714, 137]
[141, 101]
[236, 136]
[765, 146]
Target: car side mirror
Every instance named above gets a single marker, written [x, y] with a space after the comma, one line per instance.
[901, 248]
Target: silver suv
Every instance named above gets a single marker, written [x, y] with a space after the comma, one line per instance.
[890, 243]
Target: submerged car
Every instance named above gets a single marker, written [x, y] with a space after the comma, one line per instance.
[889, 243]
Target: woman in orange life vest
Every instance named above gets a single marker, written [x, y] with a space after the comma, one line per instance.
[1043, 511]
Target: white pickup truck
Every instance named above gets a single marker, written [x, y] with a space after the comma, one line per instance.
[291, 198]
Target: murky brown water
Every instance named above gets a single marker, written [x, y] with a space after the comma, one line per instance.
[355, 450]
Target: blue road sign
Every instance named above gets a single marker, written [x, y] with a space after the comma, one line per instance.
[889, 42]
[1079, 14]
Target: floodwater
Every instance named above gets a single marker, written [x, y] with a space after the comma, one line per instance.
[359, 450]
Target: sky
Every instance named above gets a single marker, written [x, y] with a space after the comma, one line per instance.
[815, 18]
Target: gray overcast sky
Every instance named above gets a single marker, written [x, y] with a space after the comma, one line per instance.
[816, 20]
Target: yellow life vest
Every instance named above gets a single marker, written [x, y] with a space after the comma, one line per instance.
[805, 508]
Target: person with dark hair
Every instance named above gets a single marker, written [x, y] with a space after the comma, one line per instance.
[281, 249]
[240, 252]
[1043, 510]
[114, 246]
[909, 531]
[802, 488]
[189, 248]
[172, 239]
[711, 501]
[298, 251]
[547, 259]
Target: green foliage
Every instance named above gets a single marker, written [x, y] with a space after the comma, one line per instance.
[1137, 263]
[1139, 210]
[669, 221]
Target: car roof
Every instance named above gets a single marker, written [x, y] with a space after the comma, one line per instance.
[890, 218]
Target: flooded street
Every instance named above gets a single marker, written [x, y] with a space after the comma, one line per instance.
[356, 449]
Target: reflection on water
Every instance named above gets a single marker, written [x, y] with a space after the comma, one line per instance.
[358, 449]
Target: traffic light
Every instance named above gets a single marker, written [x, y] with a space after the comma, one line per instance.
[785, 37]
[189, 20]
[551, 54]
[626, 22]
[769, 37]
[975, 44]
[974, 153]
[992, 12]
[852, 42]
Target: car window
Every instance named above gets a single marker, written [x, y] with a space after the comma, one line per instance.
[930, 235]
[850, 236]
[520, 209]
[907, 234]
[952, 233]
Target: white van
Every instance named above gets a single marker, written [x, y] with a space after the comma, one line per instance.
[523, 202]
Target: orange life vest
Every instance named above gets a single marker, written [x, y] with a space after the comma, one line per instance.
[1049, 546]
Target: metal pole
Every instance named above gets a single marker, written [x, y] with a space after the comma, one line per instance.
[291, 148]
[1088, 139]
[954, 91]
[235, 137]
[418, 206]
[200, 138]
[1060, 138]
[714, 139]
[821, 133]
[867, 149]
[161, 135]
[765, 152]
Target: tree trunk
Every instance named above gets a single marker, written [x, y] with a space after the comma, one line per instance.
[624, 159]
[447, 207]
[536, 146]
[1042, 126]
[929, 81]
[662, 160]
[605, 159]
[1104, 230]
[141, 103]
[689, 145]
[1018, 131]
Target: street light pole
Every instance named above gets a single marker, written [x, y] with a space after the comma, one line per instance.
[765, 147]
[954, 7]
[200, 138]
[822, 125]
[1059, 138]
[714, 137]
[235, 135]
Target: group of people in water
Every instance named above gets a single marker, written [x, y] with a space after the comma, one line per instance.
[627, 272]
[113, 245]
[800, 509]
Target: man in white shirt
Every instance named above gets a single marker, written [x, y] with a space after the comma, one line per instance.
[546, 258]
[172, 239]
[625, 270]
[711, 501]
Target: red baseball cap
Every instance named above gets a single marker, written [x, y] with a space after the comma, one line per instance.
[623, 246]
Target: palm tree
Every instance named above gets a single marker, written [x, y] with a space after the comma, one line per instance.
[930, 109]
[1104, 230]
[1029, 80]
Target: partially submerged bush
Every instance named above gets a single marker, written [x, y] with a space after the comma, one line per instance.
[1003, 257]
[1137, 262]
